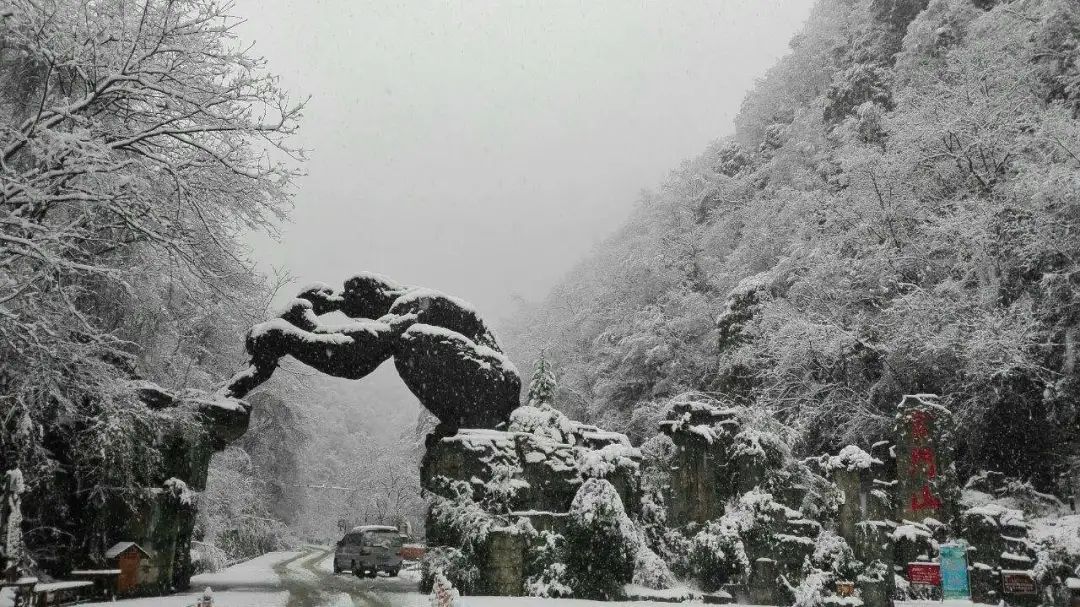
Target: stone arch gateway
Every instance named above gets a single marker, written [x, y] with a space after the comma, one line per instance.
[442, 349]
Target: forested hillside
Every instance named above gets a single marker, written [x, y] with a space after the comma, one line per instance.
[897, 212]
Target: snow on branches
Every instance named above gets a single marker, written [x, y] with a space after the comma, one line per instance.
[128, 130]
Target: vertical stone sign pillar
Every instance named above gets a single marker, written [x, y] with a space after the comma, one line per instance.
[926, 485]
[11, 489]
[505, 563]
[851, 513]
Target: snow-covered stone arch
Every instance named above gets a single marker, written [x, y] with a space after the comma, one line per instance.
[441, 347]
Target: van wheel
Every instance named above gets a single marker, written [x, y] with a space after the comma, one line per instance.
[371, 572]
[392, 572]
[337, 569]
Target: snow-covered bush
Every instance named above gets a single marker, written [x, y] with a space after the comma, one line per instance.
[650, 570]
[811, 590]
[717, 555]
[443, 593]
[669, 545]
[207, 557]
[459, 529]
[832, 559]
[501, 489]
[451, 564]
[765, 447]
[459, 521]
[550, 582]
[601, 542]
[546, 574]
[832, 554]
[1057, 555]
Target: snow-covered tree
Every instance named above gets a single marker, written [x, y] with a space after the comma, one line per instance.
[601, 542]
[138, 142]
[543, 384]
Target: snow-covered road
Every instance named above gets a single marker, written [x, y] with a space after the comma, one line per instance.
[305, 578]
[301, 578]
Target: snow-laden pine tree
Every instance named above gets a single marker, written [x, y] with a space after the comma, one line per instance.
[543, 383]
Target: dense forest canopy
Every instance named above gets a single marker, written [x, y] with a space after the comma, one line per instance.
[897, 212]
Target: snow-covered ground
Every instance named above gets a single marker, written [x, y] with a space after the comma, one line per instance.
[305, 578]
[249, 584]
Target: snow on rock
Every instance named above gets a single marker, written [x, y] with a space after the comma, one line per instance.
[851, 458]
[603, 462]
[484, 356]
[526, 465]
[911, 532]
[287, 329]
[995, 514]
[595, 438]
[324, 290]
[179, 490]
[481, 439]
[544, 421]
[463, 383]
[698, 414]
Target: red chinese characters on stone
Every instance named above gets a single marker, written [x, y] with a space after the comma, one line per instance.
[923, 463]
[924, 500]
[919, 431]
[923, 457]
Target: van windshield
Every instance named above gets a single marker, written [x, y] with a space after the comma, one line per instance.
[384, 539]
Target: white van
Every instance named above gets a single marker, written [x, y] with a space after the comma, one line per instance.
[369, 549]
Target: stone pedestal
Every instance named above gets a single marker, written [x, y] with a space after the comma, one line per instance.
[763, 586]
[877, 593]
[505, 563]
[985, 584]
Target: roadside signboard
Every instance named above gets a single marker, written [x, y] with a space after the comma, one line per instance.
[1018, 583]
[924, 574]
[954, 572]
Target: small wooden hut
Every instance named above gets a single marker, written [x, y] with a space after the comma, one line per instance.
[134, 564]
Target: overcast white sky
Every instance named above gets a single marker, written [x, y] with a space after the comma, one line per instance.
[483, 148]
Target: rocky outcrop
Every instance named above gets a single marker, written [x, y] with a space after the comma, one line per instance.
[497, 491]
[535, 466]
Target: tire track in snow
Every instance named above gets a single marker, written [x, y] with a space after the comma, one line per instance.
[311, 586]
